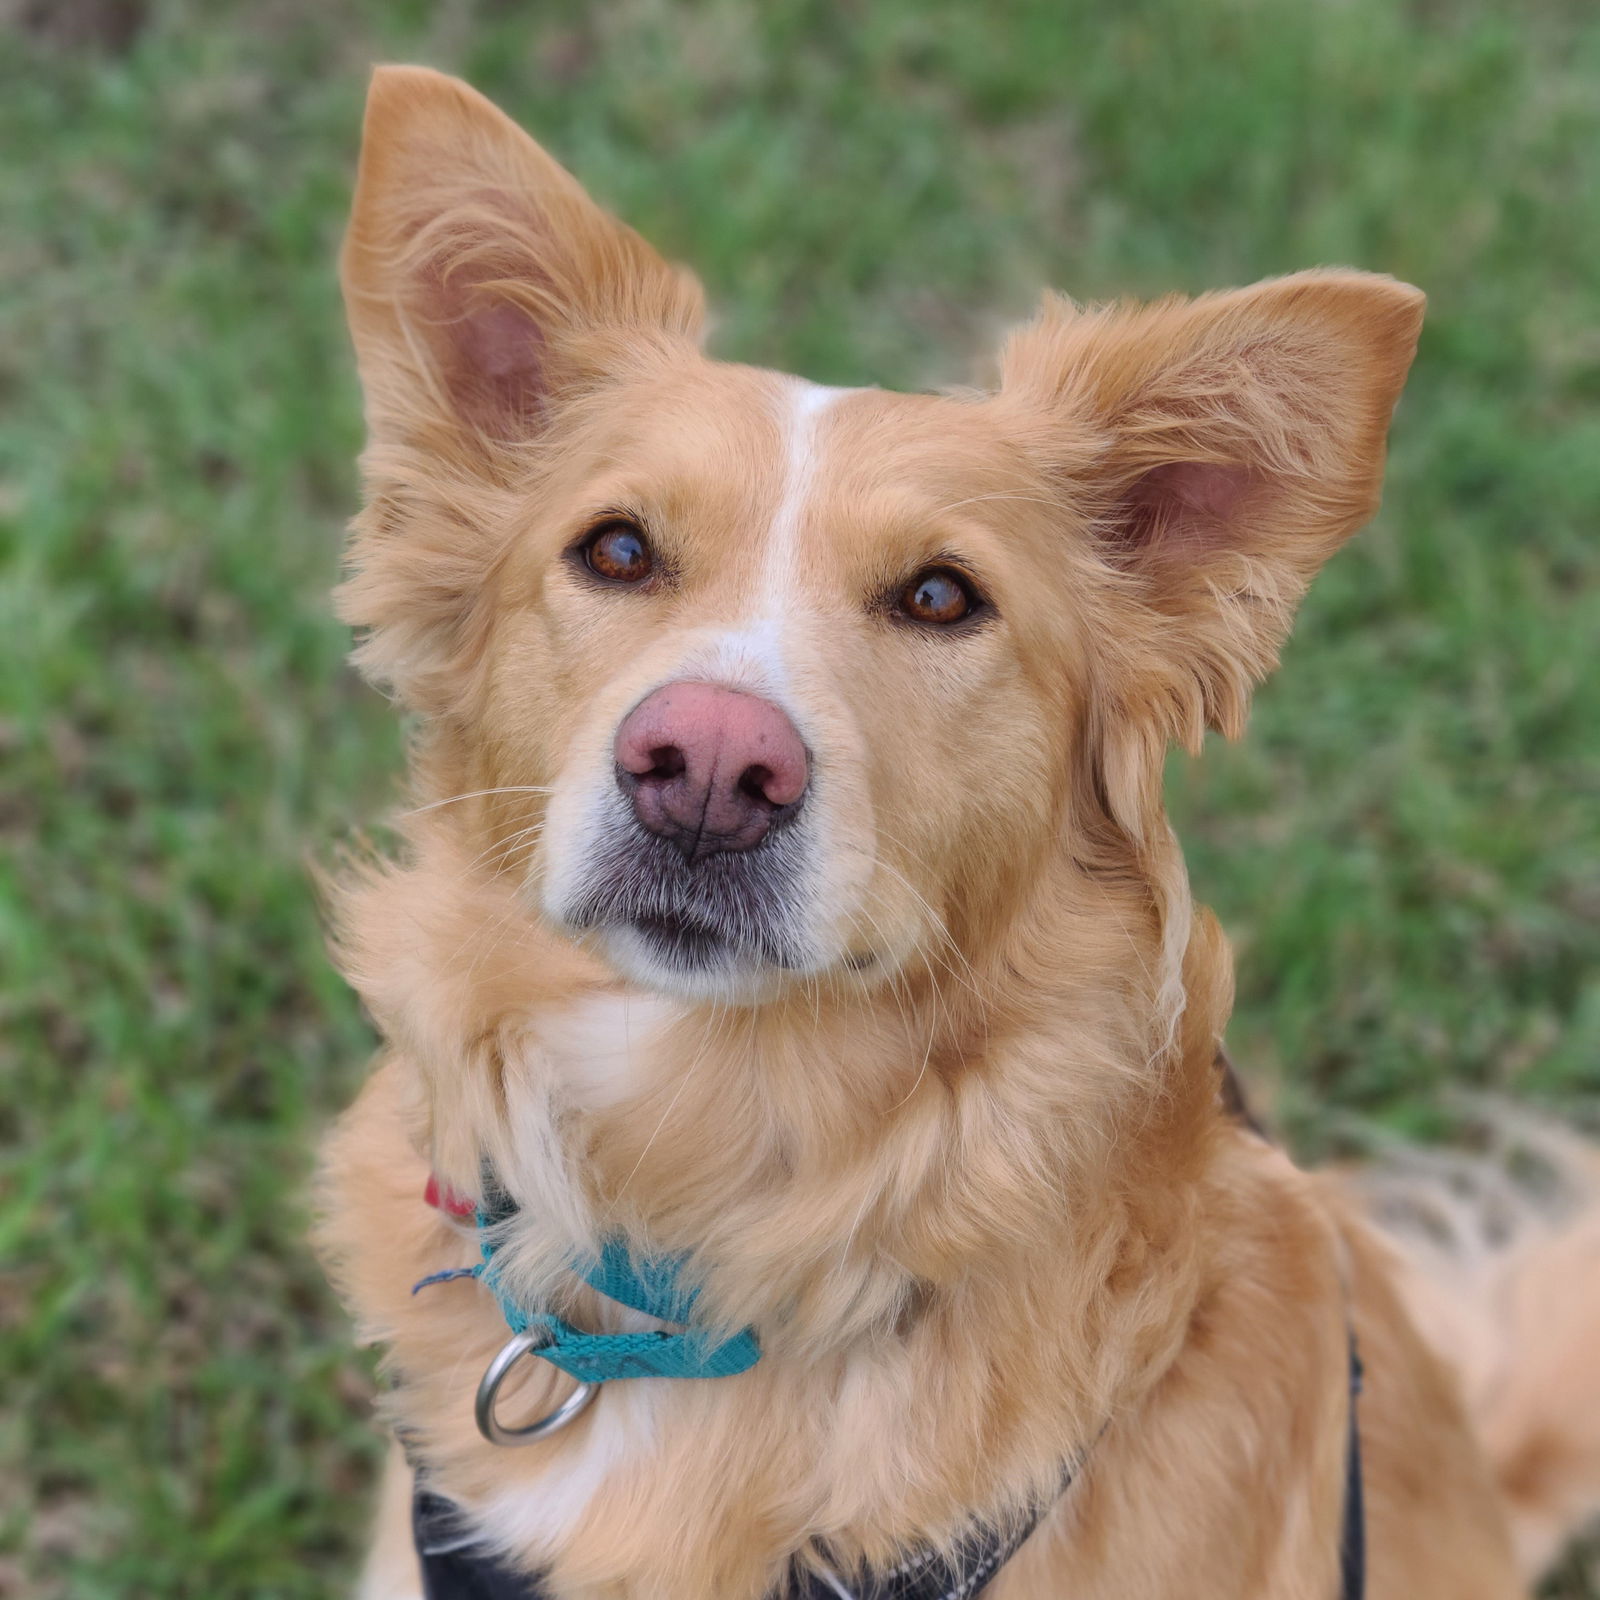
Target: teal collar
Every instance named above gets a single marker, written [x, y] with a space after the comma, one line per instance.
[648, 1284]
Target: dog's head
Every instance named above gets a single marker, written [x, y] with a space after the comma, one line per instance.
[765, 681]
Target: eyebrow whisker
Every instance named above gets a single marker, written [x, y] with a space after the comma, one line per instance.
[972, 500]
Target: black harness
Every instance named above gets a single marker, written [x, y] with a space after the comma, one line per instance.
[1353, 1531]
[455, 1567]
[452, 1569]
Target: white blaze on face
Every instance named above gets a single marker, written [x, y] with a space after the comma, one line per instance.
[807, 402]
[751, 654]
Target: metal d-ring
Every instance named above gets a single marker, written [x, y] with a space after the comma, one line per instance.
[528, 1342]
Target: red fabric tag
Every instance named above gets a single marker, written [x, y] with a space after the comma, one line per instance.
[443, 1198]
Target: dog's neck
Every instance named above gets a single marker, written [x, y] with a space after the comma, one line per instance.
[831, 1160]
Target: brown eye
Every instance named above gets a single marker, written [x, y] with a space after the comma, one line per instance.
[938, 597]
[619, 553]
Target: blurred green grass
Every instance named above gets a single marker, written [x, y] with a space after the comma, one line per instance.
[1404, 849]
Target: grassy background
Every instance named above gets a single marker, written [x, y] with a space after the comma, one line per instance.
[1405, 849]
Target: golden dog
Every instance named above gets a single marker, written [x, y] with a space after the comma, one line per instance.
[789, 895]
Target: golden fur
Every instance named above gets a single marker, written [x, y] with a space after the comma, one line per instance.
[964, 1170]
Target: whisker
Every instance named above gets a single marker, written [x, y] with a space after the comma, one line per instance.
[947, 939]
[972, 500]
[478, 794]
[896, 979]
[718, 1015]
[496, 854]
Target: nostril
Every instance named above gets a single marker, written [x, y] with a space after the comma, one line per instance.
[666, 761]
[753, 782]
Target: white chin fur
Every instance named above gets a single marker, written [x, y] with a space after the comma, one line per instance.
[730, 980]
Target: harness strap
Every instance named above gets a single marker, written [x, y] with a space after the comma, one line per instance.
[930, 1575]
[1353, 1530]
[1353, 1535]
[454, 1569]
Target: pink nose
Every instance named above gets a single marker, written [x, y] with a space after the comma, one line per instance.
[710, 769]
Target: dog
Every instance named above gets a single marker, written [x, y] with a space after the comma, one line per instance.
[791, 985]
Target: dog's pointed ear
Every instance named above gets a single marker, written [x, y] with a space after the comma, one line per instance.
[479, 278]
[1220, 450]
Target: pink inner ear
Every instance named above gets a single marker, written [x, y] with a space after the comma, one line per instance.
[495, 366]
[501, 342]
[1191, 502]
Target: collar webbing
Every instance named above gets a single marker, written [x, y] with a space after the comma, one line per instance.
[648, 1284]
